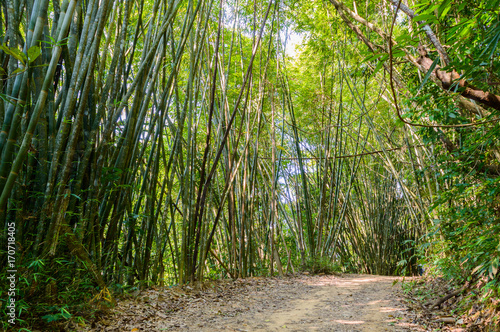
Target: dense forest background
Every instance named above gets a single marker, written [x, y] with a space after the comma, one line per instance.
[161, 142]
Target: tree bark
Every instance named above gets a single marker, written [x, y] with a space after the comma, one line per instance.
[451, 80]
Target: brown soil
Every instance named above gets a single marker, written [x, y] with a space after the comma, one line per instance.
[301, 303]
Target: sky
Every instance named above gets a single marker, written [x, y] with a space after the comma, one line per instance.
[293, 41]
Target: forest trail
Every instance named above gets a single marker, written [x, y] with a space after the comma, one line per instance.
[327, 303]
[301, 303]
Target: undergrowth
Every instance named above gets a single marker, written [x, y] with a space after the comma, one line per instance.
[475, 307]
[321, 265]
[51, 293]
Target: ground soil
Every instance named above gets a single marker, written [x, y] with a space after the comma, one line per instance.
[298, 303]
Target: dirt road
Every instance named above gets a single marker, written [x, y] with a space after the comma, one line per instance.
[349, 303]
[304, 303]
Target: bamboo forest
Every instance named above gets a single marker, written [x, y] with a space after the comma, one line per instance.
[174, 146]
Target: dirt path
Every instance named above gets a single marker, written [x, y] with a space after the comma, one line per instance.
[304, 303]
[350, 303]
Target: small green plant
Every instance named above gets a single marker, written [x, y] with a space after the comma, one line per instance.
[62, 313]
[407, 286]
[321, 265]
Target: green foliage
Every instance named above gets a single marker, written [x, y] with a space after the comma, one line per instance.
[469, 229]
[318, 265]
[61, 314]
[55, 290]
[25, 59]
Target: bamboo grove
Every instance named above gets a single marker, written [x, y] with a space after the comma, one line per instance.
[166, 141]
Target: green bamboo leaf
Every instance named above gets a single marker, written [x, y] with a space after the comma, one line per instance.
[444, 8]
[14, 52]
[372, 57]
[425, 18]
[33, 53]
[428, 74]
[17, 71]
[76, 196]
[380, 63]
